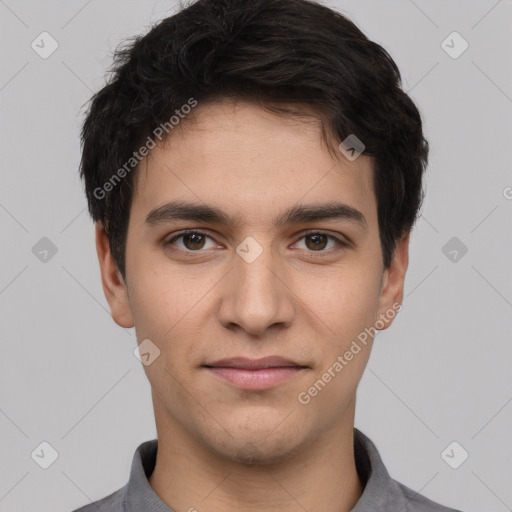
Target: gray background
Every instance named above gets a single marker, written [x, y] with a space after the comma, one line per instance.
[440, 374]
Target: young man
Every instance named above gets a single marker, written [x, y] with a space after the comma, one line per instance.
[254, 171]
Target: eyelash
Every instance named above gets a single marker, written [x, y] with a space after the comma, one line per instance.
[339, 243]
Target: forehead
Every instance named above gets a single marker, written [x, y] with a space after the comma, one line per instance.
[251, 163]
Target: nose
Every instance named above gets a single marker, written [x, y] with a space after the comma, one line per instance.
[256, 295]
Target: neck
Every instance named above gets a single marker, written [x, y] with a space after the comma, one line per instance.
[319, 477]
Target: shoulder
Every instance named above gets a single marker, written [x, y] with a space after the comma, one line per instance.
[137, 490]
[416, 502]
[381, 491]
[111, 503]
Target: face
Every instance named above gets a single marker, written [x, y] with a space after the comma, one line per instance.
[267, 273]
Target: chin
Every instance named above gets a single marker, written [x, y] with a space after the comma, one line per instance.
[263, 448]
[253, 454]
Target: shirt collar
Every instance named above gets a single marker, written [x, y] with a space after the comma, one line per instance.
[381, 492]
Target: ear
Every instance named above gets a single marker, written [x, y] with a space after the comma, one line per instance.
[392, 287]
[113, 283]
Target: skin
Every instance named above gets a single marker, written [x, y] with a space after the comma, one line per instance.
[220, 447]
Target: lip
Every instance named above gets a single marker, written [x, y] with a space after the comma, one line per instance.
[254, 364]
[255, 374]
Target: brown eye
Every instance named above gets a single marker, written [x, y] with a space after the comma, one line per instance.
[318, 241]
[192, 241]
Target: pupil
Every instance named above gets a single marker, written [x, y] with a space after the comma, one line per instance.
[195, 244]
[317, 238]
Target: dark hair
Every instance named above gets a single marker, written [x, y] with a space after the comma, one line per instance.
[275, 52]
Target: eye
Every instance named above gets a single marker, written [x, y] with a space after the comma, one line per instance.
[193, 241]
[316, 241]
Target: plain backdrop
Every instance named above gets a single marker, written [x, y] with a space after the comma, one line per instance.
[441, 374]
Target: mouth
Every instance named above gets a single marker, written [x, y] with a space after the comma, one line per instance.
[255, 374]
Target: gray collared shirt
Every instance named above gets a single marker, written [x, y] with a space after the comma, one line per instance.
[381, 493]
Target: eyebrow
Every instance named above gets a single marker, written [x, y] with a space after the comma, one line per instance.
[180, 210]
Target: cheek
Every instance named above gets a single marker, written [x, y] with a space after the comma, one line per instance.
[160, 294]
[342, 309]
[167, 307]
[346, 300]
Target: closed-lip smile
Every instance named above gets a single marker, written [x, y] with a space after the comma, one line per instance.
[255, 374]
